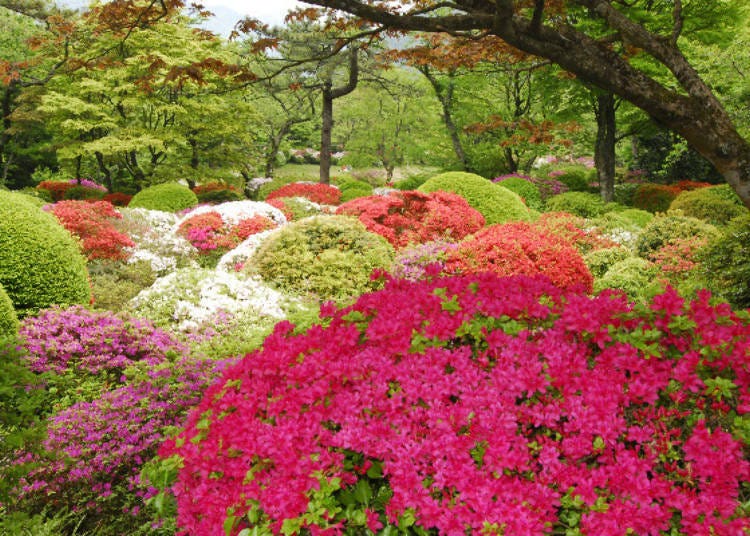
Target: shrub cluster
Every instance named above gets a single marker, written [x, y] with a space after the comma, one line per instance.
[520, 248]
[168, 197]
[478, 404]
[323, 194]
[40, 262]
[330, 257]
[72, 189]
[91, 222]
[583, 204]
[118, 199]
[8, 317]
[526, 189]
[633, 276]
[654, 197]
[727, 263]
[295, 208]
[352, 188]
[414, 217]
[672, 226]
[208, 232]
[495, 203]
[708, 205]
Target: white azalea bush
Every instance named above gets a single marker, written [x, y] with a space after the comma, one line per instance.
[191, 300]
[155, 240]
[233, 212]
[235, 259]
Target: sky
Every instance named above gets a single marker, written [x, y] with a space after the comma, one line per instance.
[269, 11]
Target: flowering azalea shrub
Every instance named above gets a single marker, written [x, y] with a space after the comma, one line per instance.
[474, 405]
[94, 446]
[415, 217]
[520, 248]
[208, 232]
[654, 197]
[156, 242]
[323, 194]
[672, 226]
[420, 260]
[296, 208]
[92, 223]
[705, 204]
[190, 299]
[573, 229]
[216, 192]
[118, 199]
[59, 190]
[726, 263]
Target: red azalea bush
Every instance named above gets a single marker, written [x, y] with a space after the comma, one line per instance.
[56, 189]
[478, 405]
[573, 229]
[92, 223]
[208, 232]
[404, 217]
[118, 199]
[654, 197]
[521, 248]
[323, 194]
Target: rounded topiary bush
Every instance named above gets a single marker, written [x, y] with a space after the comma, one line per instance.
[40, 262]
[601, 260]
[667, 227]
[525, 189]
[520, 248]
[576, 179]
[633, 276]
[583, 204]
[727, 263]
[8, 317]
[495, 203]
[168, 197]
[352, 188]
[326, 256]
[654, 197]
[705, 204]
[452, 405]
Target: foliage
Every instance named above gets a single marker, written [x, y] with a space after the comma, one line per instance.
[679, 263]
[412, 182]
[577, 179]
[705, 204]
[352, 188]
[8, 317]
[191, 299]
[495, 203]
[633, 276]
[528, 191]
[461, 404]
[725, 192]
[727, 263]
[323, 194]
[83, 193]
[574, 230]
[330, 257]
[409, 217]
[91, 222]
[601, 260]
[216, 192]
[168, 197]
[583, 204]
[95, 443]
[40, 263]
[114, 284]
[520, 248]
[670, 226]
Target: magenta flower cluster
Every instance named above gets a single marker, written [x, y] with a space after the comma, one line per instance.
[479, 404]
[93, 450]
[88, 183]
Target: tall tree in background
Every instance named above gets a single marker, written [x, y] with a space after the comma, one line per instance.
[547, 29]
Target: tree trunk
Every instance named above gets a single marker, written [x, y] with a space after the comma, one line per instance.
[510, 160]
[445, 97]
[106, 173]
[604, 150]
[329, 95]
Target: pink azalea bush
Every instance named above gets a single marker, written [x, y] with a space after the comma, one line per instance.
[478, 404]
[208, 232]
[121, 384]
[415, 217]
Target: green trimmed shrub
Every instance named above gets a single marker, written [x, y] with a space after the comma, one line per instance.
[219, 196]
[114, 283]
[654, 197]
[411, 183]
[167, 197]
[583, 204]
[352, 188]
[40, 262]
[83, 193]
[576, 179]
[634, 276]
[639, 217]
[705, 204]
[526, 190]
[496, 203]
[8, 317]
[725, 192]
[275, 184]
[328, 257]
[726, 262]
[601, 260]
[672, 225]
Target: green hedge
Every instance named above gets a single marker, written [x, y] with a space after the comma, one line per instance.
[708, 204]
[352, 188]
[583, 204]
[40, 262]
[326, 257]
[526, 190]
[727, 263]
[167, 197]
[672, 225]
[495, 203]
[8, 317]
[633, 276]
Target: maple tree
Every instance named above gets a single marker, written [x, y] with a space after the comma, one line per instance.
[600, 53]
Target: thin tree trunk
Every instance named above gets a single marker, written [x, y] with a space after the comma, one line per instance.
[106, 173]
[604, 150]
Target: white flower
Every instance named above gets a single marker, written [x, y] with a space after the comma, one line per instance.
[243, 251]
[232, 212]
